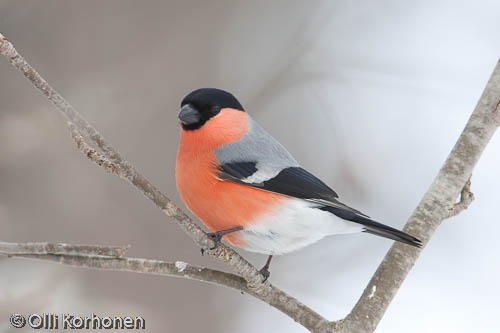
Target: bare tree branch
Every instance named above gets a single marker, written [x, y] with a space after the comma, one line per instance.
[438, 203]
[431, 211]
[112, 161]
[109, 258]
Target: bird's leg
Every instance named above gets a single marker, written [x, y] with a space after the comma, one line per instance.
[265, 270]
[216, 237]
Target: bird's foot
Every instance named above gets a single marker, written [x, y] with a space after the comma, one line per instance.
[216, 237]
[264, 271]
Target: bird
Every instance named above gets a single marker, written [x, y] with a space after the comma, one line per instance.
[247, 189]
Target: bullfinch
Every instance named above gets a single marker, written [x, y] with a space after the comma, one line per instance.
[246, 187]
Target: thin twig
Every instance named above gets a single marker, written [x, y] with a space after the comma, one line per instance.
[16, 249]
[91, 153]
[466, 198]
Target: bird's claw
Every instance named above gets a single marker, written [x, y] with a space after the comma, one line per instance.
[216, 238]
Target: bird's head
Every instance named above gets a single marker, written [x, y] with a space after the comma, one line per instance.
[201, 105]
[211, 118]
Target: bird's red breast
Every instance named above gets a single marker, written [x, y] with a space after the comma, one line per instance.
[220, 205]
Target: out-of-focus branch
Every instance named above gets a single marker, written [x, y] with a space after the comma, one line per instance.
[112, 161]
[435, 206]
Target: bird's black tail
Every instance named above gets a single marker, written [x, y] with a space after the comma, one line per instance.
[373, 227]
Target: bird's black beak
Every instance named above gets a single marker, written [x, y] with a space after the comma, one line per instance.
[189, 115]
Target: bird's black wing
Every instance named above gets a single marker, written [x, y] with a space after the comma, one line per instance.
[293, 181]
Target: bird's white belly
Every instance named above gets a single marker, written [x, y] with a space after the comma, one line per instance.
[293, 226]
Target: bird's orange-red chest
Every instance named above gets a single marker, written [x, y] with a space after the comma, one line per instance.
[220, 205]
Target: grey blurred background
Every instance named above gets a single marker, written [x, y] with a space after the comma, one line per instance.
[369, 96]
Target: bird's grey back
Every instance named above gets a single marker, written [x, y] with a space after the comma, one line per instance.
[260, 147]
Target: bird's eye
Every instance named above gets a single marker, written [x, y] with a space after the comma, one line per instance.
[215, 109]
